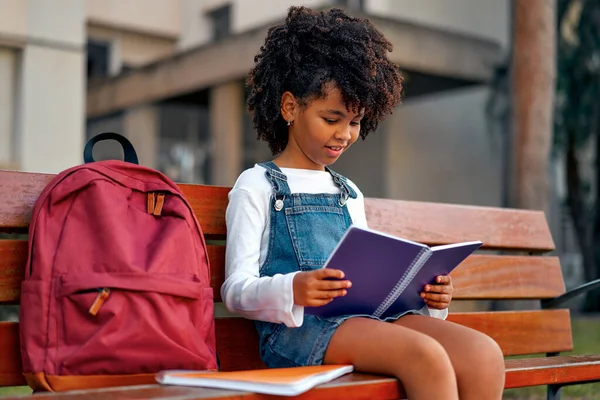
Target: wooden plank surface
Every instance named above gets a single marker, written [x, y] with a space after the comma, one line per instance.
[435, 223]
[477, 278]
[237, 344]
[522, 332]
[10, 356]
[519, 373]
[561, 369]
[18, 193]
[507, 277]
[517, 332]
[431, 223]
[20, 190]
[355, 386]
[13, 257]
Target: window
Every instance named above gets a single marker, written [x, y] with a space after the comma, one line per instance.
[221, 22]
[98, 59]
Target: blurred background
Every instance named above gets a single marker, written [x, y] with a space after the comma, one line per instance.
[501, 101]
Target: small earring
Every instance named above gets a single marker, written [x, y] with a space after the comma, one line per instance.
[290, 123]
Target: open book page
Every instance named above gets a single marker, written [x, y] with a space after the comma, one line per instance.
[387, 272]
[278, 381]
[373, 262]
[441, 260]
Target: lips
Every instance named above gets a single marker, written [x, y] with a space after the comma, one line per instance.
[334, 151]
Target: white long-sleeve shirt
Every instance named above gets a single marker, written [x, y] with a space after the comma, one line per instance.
[248, 223]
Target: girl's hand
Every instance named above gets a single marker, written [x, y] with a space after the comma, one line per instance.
[313, 288]
[438, 296]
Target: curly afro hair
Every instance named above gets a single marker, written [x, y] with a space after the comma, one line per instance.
[312, 50]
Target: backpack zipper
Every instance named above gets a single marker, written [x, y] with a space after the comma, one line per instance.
[99, 300]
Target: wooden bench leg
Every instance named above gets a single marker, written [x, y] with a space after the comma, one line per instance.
[554, 392]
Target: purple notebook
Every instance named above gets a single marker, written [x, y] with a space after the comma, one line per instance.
[387, 273]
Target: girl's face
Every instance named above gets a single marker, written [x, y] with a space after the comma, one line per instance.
[321, 131]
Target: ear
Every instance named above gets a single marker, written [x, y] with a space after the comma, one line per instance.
[289, 106]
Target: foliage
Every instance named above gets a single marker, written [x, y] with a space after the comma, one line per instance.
[576, 136]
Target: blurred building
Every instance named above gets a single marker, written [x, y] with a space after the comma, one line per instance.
[169, 74]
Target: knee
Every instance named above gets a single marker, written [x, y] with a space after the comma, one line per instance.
[492, 354]
[483, 361]
[430, 357]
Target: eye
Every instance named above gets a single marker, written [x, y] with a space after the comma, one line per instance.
[355, 123]
[330, 121]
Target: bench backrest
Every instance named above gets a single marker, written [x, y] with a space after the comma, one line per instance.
[510, 266]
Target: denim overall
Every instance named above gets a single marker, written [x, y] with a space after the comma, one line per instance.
[304, 230]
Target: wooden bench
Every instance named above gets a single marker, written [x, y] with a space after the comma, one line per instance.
[512, 266]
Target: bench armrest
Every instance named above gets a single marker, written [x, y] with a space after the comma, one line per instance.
[557, 301]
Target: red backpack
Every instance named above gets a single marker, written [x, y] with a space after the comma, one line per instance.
[117, 283]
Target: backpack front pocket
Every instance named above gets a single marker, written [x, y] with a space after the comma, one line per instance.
[131, 324]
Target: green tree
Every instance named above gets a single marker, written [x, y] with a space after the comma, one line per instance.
[576, 132]
[577, 125]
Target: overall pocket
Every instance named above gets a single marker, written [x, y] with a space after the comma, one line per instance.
[132, 323]
[315, 231]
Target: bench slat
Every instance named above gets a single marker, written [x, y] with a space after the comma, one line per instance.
[483, 277]
[434, 223]
[237, 344]
[148, 392]
[479, 277]
[10, 356]
[522, 332]
[371, 387]
[18, 193]
[561, 369]
[13, 257]
[517, 332]
[20, 190]
[519, 373]
[430, 223]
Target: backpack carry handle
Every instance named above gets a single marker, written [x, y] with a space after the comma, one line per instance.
[128, 150]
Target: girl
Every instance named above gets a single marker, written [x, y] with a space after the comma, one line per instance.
[321, 80]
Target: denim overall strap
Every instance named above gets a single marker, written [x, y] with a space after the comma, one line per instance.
[277, 179]
[342, 182]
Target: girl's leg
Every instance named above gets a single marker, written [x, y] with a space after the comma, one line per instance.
[476, 358]
[417, 360]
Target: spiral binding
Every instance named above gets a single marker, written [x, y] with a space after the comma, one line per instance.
[408, 276]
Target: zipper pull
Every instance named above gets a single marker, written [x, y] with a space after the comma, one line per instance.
[99, 301]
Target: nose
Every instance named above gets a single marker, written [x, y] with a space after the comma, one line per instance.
[344, 133]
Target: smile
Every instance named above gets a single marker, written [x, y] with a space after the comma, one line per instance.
[334, 151]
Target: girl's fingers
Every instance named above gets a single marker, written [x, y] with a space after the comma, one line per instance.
[438, 289]
[324, 273]
[328, 294]
[438, 305]
[436, 297]
[332, 285]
